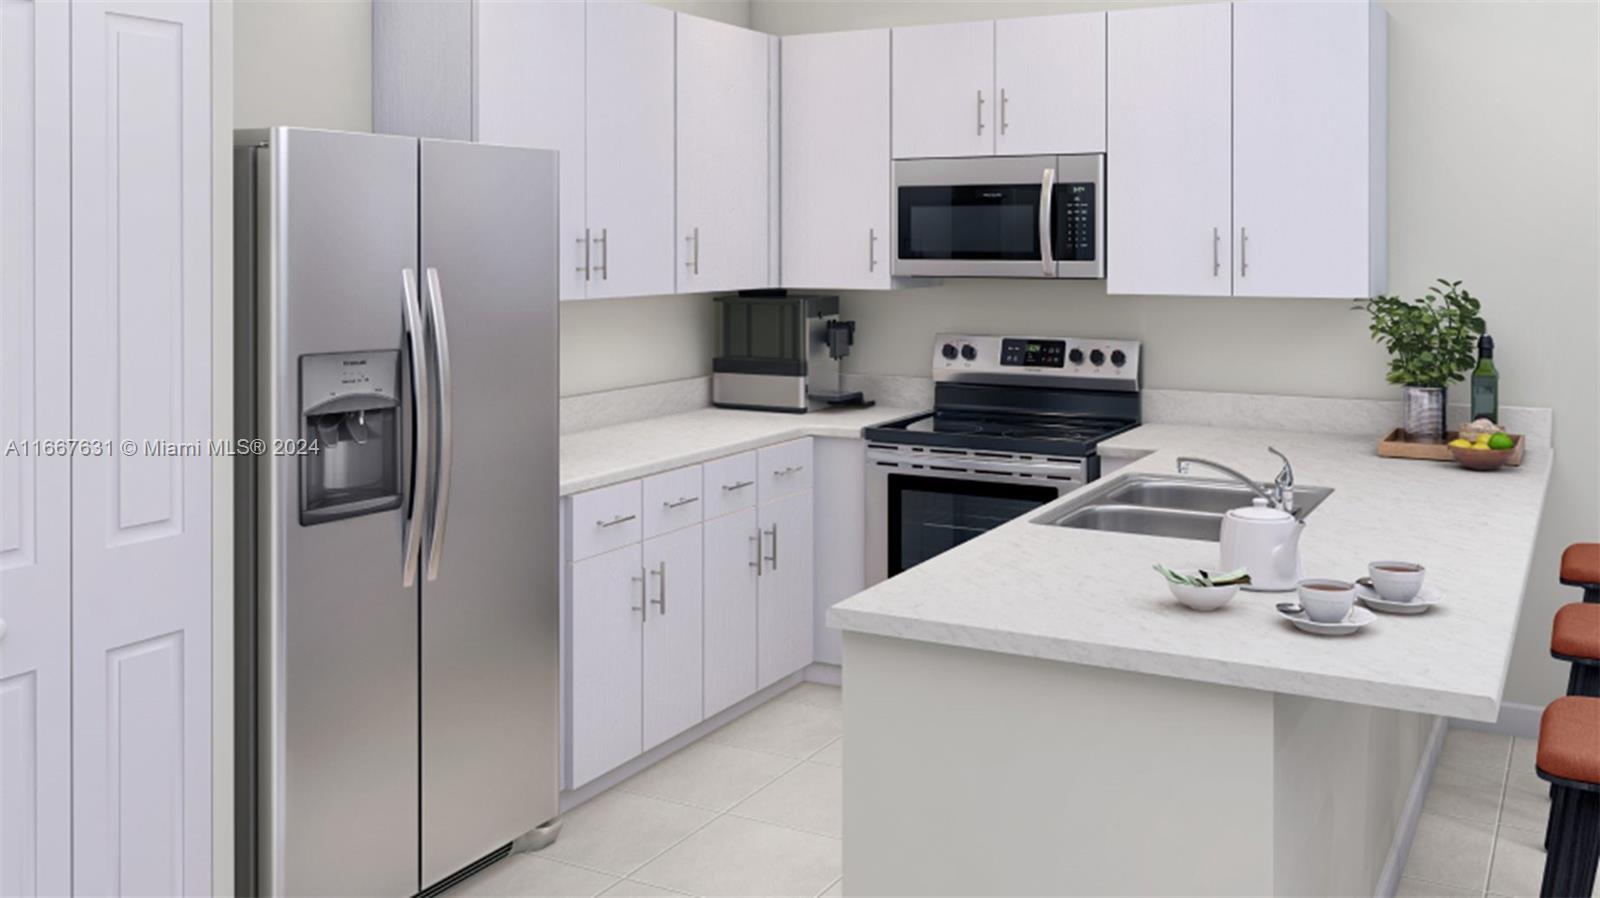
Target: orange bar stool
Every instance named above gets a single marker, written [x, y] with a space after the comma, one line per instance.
[1575, 638]
[1569, 759]
[1580, 566]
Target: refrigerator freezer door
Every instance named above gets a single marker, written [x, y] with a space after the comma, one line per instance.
[490, 699]
[338, 644]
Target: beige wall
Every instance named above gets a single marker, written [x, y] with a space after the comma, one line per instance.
[1492, 180]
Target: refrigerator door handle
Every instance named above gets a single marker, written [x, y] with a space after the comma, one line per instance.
[421, 459]
[447, 436]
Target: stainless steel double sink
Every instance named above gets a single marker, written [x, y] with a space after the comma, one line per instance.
[1159, 505]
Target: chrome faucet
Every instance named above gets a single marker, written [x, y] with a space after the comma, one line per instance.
[1282, 494]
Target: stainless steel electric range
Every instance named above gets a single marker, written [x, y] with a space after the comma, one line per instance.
[1014, 426]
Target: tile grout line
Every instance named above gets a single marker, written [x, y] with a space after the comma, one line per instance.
[789, 826]
[1499, 812]
[830, 885]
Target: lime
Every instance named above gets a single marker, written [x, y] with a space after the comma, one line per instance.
[1501, 441]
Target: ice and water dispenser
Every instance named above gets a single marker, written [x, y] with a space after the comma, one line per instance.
[350, 411]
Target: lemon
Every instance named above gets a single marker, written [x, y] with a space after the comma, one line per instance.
[1461, 444]
[1482, 446]
[1501, 441]
[1482, 440]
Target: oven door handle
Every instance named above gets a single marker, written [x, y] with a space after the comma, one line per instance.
[1071, 470]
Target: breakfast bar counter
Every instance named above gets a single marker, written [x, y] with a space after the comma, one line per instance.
[1184, 752]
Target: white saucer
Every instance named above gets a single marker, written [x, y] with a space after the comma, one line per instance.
[1427, 598]
[1357, 618]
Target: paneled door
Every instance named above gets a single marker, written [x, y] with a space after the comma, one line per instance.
[35, 404]
[141, 516]
[722, 156]
[1168, 148]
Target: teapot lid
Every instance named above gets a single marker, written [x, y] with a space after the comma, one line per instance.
[1258, 510]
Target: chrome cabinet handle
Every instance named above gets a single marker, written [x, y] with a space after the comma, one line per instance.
[619, 519]
[730, 487]
[661, 591]
[644, 606]
[1047, 200]
[584, 242]
[681, 502]
[447, 430]
[773, 558]
[605, 254]
[1216, 252]
[1004, 102]
[2, 628]
[692, 247]
[755, 539]
[792, 469]
[421, 459]
[872, 249]
[1244, 252]
[980, 112]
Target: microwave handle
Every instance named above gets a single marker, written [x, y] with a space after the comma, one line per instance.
[1047, 195]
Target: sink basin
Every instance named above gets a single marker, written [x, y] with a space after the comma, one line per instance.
[1179, 507]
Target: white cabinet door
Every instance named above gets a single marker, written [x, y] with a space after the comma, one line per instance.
[673, 645]
[1308, 205]
[836, 183]
[722, 156]
[629, 126]
[1168, 144]
[530, 93]
[35, 493]
[783, 615]
[141, 522]
[944, 102]
[607, 623]
[731, 559]
[1050, 77]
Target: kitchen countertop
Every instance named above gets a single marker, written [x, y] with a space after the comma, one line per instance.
[607, 455]
[1090, 597]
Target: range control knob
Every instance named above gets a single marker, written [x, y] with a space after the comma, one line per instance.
[1075, 356]
[1097, 358]
[1118, 358]
[969, 352]
[949, 350]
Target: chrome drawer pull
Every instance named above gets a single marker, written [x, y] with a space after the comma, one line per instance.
[619, 519]
[681, 502]
[792, 469]
[730, 487]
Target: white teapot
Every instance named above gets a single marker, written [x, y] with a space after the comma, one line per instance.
[1265, 541]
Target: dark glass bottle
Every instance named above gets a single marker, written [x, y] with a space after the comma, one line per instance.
[1486, 383]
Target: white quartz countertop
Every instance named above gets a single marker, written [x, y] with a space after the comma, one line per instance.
[607, 455]
[1090, 597]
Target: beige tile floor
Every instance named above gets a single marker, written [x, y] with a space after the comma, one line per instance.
[752, 809]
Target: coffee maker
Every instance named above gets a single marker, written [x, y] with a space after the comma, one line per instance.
[778, 351]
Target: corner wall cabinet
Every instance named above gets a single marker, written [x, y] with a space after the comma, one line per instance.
[686, 592]
[105, 556]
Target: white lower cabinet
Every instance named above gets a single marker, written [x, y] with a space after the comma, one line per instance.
[673, 644]
[784, 606]
[732, 557]
[607, 661]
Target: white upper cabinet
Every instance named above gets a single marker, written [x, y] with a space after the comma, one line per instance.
[1168, 151]
[723, 156]
[944, 100]
[1050, 80]
[630, 170]
[836, 184]
[523, 51]
[1309, 217]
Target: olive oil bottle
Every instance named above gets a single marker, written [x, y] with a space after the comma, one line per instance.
[1486, 383]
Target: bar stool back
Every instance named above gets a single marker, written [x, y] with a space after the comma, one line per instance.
[1580, 566]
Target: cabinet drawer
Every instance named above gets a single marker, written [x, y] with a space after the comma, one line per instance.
[784, 469]
[672, 500]
[604, 519]
[730, 484]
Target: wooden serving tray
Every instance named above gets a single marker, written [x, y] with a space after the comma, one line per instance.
[1395, 445]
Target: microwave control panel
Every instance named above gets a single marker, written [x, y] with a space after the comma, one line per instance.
[1074, 222]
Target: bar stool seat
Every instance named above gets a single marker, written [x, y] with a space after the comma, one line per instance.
[1580, 566]
[1569, 759]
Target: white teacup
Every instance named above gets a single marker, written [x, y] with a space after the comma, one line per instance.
[1327, 601]
[1396, 581]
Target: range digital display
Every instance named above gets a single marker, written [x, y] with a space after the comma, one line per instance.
[1030, 353]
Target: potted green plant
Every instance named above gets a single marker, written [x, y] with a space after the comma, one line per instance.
[1430, 341]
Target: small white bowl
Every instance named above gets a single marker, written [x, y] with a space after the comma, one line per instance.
[1201, 598]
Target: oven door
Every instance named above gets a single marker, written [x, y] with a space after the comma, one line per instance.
[919, 505]
[977, 217]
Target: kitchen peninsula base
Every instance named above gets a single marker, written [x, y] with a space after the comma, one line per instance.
[974, 772]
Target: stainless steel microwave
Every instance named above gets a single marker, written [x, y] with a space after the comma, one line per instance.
[1000, 216]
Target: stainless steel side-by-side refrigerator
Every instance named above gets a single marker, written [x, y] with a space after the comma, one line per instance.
[397, 581]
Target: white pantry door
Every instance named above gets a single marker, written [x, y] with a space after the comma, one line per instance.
[141, 370]
[35, 492]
